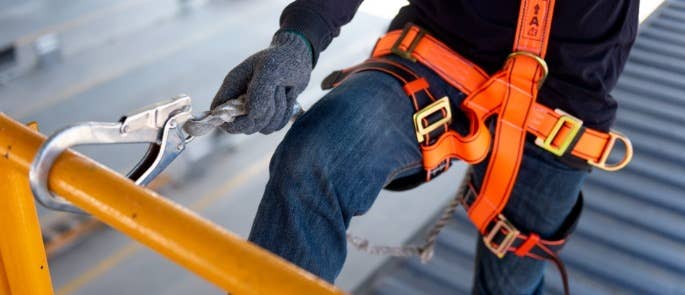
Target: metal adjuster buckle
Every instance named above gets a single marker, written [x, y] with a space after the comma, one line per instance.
[560, 149]
[500, 249]
[438, 105]
[468, 196]
[439, 169]
[407, 54]
[602, 163]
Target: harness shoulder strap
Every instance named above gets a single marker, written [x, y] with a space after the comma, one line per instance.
[515, 87]
[534, 26]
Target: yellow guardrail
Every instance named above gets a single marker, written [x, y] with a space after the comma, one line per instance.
[220, 257]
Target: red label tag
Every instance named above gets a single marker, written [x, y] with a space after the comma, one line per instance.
[535, 18]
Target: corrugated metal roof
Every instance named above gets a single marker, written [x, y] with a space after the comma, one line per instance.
[631, 237]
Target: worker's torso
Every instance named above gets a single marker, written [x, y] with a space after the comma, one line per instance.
[589, 43]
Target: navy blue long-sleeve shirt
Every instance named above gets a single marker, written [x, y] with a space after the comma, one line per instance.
[588, 47]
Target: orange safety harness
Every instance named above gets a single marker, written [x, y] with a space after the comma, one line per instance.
[511, 95]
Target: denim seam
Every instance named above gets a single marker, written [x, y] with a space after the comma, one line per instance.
[400, 170]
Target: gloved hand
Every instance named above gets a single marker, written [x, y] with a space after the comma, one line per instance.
[269, 83]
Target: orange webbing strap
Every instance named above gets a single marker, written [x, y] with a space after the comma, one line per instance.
[503, 237]
[515, 87]
[414, 44]
[533, 28]
[591, 145]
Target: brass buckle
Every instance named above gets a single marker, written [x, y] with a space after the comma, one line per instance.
[565, 118]
[440, 104]
[602, 163]
[407, 54]
[501, 248]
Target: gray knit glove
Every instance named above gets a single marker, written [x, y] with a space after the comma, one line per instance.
[269, 83]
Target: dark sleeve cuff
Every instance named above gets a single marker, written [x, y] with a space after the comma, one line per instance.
[311, 25]
[319, 21]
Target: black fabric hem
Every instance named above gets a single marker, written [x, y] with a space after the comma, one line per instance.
[311, 25]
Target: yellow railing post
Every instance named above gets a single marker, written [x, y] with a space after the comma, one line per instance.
[195, 243]
[4, 284]
[25, 264]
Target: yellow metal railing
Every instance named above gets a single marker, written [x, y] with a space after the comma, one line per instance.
[200, 246]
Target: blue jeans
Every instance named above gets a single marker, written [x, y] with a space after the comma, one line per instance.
[338, 156]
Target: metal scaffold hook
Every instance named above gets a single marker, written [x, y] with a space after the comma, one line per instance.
[167, 127]
[159, 125]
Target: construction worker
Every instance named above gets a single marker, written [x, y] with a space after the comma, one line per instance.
[360, 137]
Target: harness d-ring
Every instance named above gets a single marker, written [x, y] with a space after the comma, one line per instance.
[613, 137]
[538, 59]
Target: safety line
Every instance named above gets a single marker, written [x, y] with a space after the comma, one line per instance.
[133, 247]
